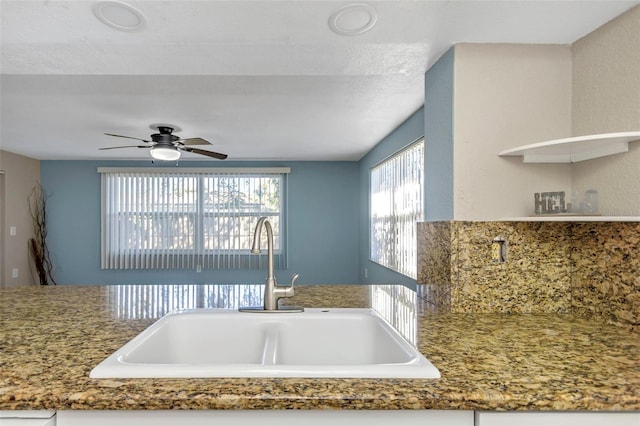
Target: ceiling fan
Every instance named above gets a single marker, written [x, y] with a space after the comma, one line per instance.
[166, 146]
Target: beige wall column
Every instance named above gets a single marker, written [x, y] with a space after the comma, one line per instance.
[507, 95]
[21, 174]
[606, 99]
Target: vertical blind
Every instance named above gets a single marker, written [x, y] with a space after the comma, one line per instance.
[396, 304]
[396, 206]
[189, 219]
[155, 301]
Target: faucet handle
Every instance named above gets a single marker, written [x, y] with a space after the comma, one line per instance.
[294, 277]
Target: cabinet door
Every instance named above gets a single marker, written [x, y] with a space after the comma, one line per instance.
[586, 418]
[28, 418]
[266, 418]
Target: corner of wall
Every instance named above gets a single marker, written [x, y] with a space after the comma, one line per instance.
[604, 285]
[435, 255]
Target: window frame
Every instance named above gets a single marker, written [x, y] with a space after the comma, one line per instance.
[198, 255]
[396, 267]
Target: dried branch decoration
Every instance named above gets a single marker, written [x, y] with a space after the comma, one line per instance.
[38, 245]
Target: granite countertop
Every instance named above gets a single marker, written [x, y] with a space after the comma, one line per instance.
[51, 337]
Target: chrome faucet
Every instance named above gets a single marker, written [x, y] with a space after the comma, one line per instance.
[272, 291]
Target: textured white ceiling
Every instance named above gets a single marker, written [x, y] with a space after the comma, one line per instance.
[260, 79]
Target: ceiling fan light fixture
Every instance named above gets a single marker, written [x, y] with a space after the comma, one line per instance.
[165, 153]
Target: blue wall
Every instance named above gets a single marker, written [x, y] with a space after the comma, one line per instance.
[322, 232]
[405, 134]
[438, 149]
[435, 122]
[328, 212]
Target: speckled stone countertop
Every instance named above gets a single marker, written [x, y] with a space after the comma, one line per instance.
[51, 337]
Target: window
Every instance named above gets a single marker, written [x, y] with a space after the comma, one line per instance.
[189, 218]
[396, 205]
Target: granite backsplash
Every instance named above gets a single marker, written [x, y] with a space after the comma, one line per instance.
[591, 269]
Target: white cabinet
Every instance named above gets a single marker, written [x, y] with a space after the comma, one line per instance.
[528, 418]
[317, 418]
[266, 418]
[28, 418]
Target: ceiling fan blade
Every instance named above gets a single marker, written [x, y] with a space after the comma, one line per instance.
[128, 146]
[207, 153]
[127, 137]
[194, 141]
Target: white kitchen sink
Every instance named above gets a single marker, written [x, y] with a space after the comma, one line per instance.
[222, 343]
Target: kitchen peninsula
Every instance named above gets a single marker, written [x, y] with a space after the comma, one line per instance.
[53, 336]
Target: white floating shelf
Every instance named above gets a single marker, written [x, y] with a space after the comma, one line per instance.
[565, 218]
[572, 150]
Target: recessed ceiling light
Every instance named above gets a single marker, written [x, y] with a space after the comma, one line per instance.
[119, 15]
[353, 19]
